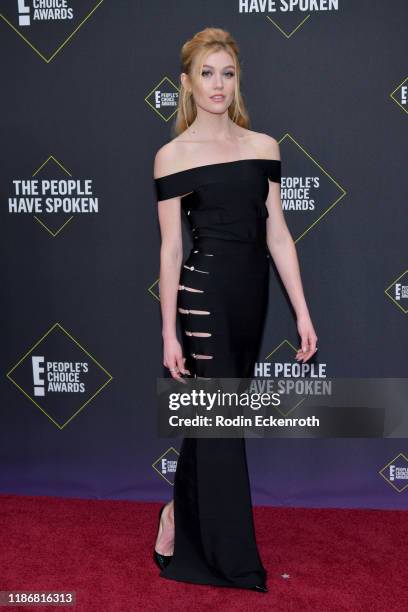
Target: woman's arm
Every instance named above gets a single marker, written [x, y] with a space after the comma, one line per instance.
[283, 251]
[171, 258]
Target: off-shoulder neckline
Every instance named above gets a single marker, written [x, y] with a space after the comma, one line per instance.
[235, 161]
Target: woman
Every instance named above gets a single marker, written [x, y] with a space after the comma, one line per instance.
[226, 178]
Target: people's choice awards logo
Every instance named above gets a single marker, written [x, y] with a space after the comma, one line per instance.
[166, 465]
[308, 191]
[43, 10]
[396, 472]
[163, 98]
[59, 376]
[52, 196]
[398, 292]
[47, 25]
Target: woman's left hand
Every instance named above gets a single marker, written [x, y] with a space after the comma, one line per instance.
[308, 338]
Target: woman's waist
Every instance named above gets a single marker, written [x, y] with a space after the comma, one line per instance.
[212, 244]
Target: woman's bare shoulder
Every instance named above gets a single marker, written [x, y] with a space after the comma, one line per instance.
[264, 145]
[169, 158]
[267, 146]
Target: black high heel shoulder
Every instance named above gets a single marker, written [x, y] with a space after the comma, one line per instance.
[161, 561]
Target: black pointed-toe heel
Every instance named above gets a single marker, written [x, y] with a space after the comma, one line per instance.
[161, 561]
[261, 588]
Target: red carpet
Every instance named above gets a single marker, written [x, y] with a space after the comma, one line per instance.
[354, 560]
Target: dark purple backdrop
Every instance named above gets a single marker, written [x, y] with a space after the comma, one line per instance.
[81, 287]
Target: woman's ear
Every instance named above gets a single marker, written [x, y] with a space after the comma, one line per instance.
[185, 81]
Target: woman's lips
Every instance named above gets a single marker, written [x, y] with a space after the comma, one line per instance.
[218, 98]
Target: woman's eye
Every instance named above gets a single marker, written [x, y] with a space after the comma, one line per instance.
[228, 74]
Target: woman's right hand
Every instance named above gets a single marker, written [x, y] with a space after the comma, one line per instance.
[173, 358]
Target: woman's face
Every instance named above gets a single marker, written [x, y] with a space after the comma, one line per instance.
[214, 88]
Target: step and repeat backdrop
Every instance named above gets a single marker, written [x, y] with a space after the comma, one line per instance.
[89, 94]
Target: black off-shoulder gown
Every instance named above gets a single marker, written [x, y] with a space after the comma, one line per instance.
[228, 267]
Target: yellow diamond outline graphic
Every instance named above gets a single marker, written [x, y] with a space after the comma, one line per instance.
[389, 481]
[30, 44]
[110, 377]
[146, 99]
[405, 311]
[161, 456]
[282, 31]
[331, 206]
[395, 100]
[44, 225]
[150, 289]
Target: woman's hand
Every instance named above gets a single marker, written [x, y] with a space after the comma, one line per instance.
[173, 358]
[308, 338]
